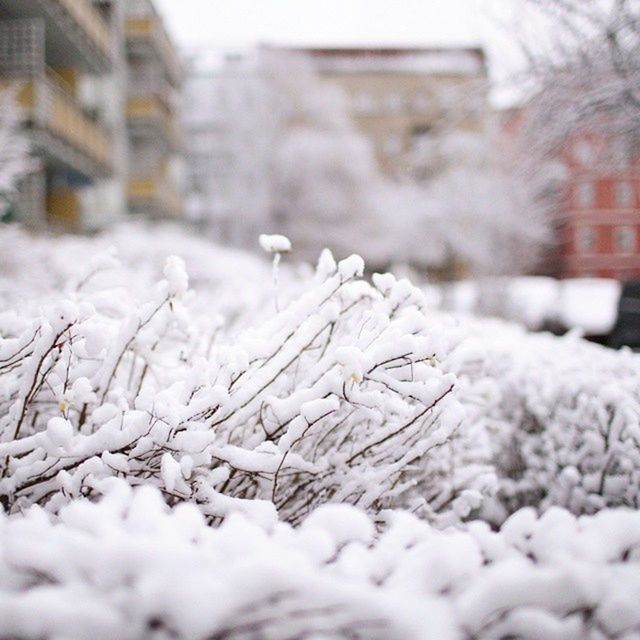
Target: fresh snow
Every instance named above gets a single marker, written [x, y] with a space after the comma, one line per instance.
[275, 243]
[128, 567]
[181, 459]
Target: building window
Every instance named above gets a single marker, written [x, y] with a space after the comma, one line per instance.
[585, 152]
[625, 239]
[363, 102]
[586, 239]
[392, 144]
[624, 194]
[395, 102]
[585, 194]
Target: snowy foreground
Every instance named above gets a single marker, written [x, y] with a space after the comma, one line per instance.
[233, 455]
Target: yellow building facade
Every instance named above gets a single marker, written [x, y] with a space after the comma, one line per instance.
[402, 98]
[69, 63]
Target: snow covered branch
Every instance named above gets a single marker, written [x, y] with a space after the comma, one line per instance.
[338, 398]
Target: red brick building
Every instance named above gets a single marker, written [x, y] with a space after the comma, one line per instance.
[599, 223]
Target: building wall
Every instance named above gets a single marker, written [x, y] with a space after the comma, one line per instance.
[154, 79]
[398, 112]
[597, 220]
[80, 67]
[397, 98]
[226, 175]
[105, 202]
[47, 50]
[599, 231]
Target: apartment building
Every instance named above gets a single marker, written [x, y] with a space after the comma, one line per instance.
[71, 63]
[46, 48]
[153, 99]
[599, 226]
[227, 182]
[595, 210]
[402, 98]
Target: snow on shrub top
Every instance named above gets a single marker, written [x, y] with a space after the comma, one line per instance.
[337, 398]
[128, 567]
[561, 416]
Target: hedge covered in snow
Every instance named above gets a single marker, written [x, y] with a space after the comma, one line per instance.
[290, 453]
[562, 417]
[128, 567]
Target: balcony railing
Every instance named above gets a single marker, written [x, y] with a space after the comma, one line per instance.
[49, 108]
[63, 208]
[150, 30]
[153, 194]
[152, 110]
[90, 21]
[152, 82]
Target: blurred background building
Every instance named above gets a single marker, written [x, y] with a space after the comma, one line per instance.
[400, 98]
[397, 153]
[80, 69]
[226, 180]
[596, 218]
[155, 77]
[277, 131]
[599, 229]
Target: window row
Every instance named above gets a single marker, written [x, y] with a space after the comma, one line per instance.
[619, 152]
[364, 102]
[624, 194]
[624, 239]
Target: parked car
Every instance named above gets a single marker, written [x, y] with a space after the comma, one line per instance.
[626, 331]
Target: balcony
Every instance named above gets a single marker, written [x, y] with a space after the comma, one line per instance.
[60, 129]
[147, 37]
[144, 82]
[76, 34]
[153, 196]
[64, 209]
[149, 115]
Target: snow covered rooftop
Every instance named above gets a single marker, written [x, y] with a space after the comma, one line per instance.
[431, 61]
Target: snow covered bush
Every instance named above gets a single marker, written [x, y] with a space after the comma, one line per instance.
[192, 464]
[128, 567]
[337, 398]
[561, 416]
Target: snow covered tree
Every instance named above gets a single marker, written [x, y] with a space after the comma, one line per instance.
[584, 74]
[476, 206]
[487, 217]
[296, 163]
[15, 161]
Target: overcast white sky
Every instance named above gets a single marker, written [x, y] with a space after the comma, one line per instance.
[236, 24]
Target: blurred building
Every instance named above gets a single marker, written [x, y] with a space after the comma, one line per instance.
[227, 189]
[74, 64]
[595, 212]
[154, 80]
[599, 228]
[401, 98]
